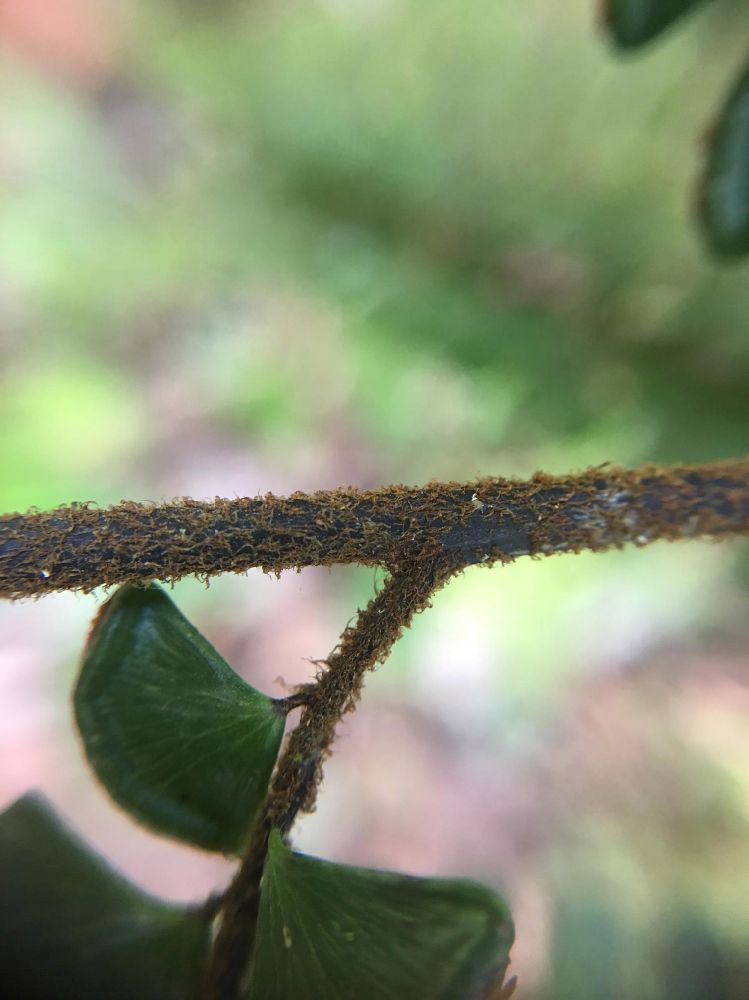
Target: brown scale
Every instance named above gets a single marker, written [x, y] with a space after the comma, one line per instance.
[81, 546]
[423, 536]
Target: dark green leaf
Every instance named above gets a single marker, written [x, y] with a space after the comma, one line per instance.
[724, 198]
[176, 737]
[631, 23]
[338, 932]
[71, 928]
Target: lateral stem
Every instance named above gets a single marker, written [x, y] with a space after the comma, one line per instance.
[336, 691]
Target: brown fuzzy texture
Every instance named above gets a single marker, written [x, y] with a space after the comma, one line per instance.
[294, 786]
[422, 535]
[489, 520]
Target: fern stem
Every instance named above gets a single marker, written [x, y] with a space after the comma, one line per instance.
[80, 547]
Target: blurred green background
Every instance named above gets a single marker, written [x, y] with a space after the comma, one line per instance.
[295, 244]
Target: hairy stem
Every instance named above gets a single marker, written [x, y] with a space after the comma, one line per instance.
[82, 546]
[294, 787]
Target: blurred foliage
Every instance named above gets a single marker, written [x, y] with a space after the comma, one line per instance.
[292, 243]
[723, 196]
[100, 935]
[420, 169]
[632, 23]
[474, 192]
